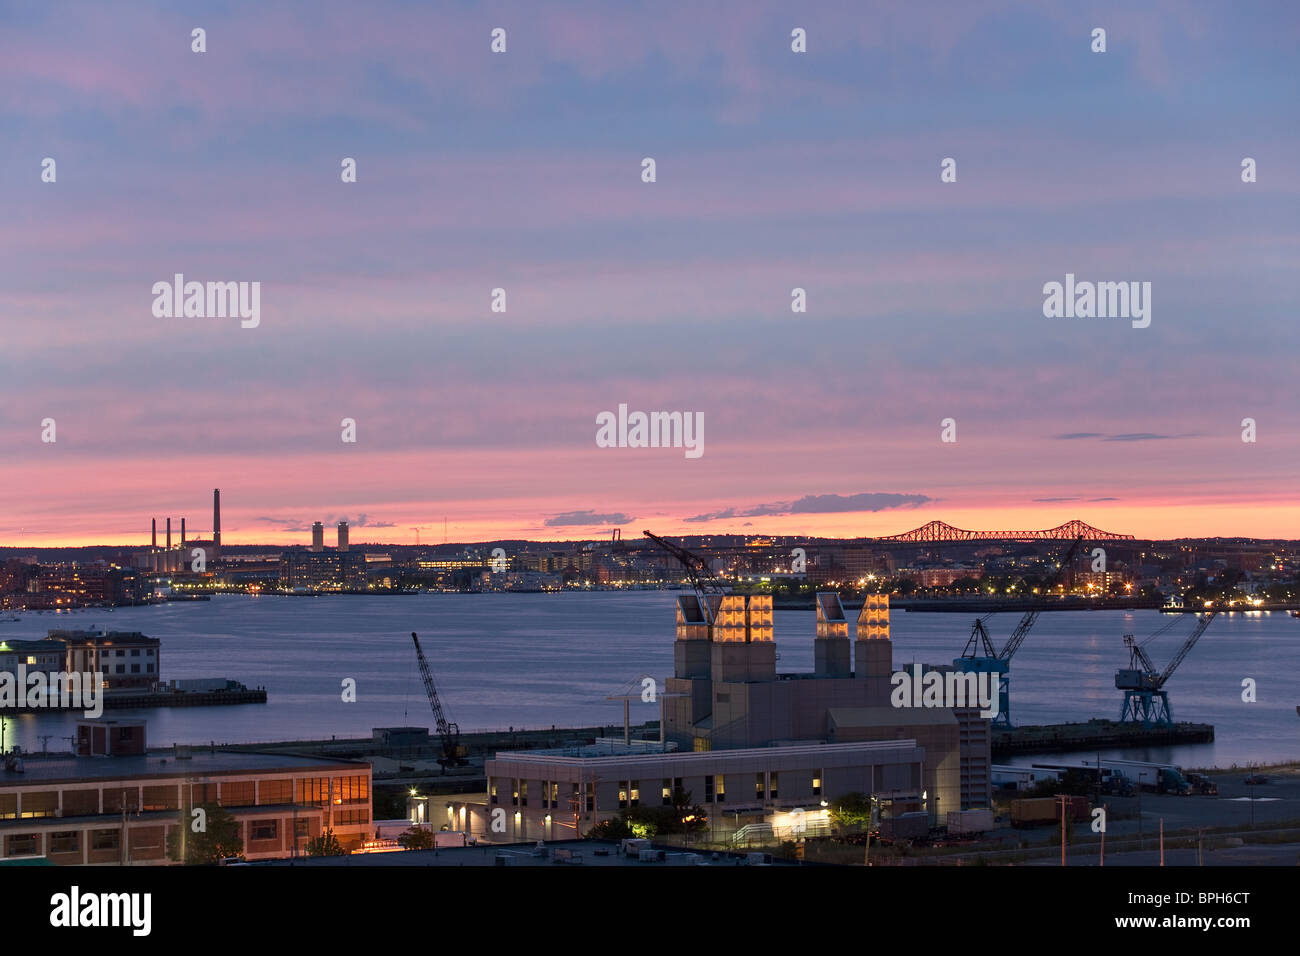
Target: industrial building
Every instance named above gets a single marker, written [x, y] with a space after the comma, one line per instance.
[181, 557]
[319, 569]
[115, 801]
[752, 745]
[323, 571]
[725, 691]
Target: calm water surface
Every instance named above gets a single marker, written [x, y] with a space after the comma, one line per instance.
[533, 660]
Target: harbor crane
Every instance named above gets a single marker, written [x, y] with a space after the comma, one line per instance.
[453, 754]
[703, 581]
[1146, 702]
[981, 657]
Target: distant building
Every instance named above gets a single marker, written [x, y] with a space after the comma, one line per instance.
[324, 570]
[125, 660]
[317, 536]
[47, 656]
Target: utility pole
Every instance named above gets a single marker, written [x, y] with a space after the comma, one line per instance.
[1103, 835]
[1064, 800]
[1162, 841]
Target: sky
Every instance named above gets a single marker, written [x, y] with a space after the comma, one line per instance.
[522, 170]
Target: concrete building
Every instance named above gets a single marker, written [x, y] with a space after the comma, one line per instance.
[548, 795]
[343, 535]
[118, 809]
[317, 536]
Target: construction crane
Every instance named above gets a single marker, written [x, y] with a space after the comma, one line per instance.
[697, 572]
[1146, 702]
[453, 754]
[981, 657]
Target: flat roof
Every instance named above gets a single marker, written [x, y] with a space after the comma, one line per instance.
[524, 854]
[707, 757]
[163, 765]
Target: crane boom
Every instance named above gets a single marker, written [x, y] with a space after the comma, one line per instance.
[447, 731]
[1183, 651]
[697, 570]
[1022, 629]
[1138, 655]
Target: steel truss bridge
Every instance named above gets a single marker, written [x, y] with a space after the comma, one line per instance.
[939, 531]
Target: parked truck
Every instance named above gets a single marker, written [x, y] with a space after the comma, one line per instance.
[969, 822]
[1039, 811]
[905, 827]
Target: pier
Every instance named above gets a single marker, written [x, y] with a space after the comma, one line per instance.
[1095, 734]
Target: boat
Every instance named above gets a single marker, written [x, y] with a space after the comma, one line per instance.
[1173, 605]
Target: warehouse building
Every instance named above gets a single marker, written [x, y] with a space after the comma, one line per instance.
[116, 801]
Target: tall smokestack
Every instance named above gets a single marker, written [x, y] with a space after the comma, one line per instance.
[169, 534]
[182, 532]
[216, 522]
[153, 538]
[343, 535]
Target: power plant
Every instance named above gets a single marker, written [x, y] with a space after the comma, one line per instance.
[182, 557]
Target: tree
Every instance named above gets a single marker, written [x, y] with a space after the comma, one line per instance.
[216, 838]
[851, 810]
[615, 828]
[327, 844]
[416, 838]
[683, 815]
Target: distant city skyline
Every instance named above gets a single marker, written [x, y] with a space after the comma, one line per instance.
[522, 171]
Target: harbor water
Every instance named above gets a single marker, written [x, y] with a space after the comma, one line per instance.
[537, 660]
